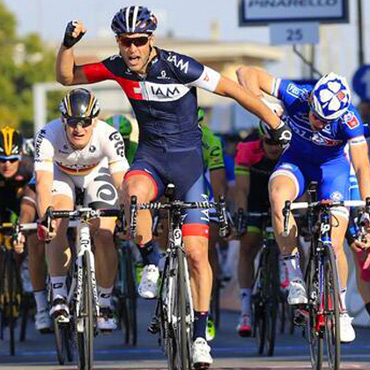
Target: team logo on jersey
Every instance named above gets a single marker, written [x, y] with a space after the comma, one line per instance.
[324, 141]
[351, 120]
[179, 63]
[163, 76]
[293, 90]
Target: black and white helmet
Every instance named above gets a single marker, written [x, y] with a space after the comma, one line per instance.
[79, 103]
[134, 19]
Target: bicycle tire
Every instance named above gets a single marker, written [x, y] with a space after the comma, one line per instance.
[2, 297]
[182, 336]
[282, 313]
[215, 303]
[85, 338]
[315, 338]
[258, 307]
[25, 308]
[129, 306]
[11, 271]
[331, 306]
[272, 288]
[59, 343]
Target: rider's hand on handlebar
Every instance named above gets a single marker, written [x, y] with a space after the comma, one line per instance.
[73, 33]
[46, 227]
[364, 221]
[18, 243]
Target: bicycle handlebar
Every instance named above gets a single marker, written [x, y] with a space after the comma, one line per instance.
[220, 206]
[322, 204]
[84, 213]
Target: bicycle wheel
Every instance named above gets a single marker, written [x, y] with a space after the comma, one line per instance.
[59, 342]
[215, 303]
[85, 320]
[25, 308]
[271, 296]
[181, 311]
[128, 297]
[313, 327]
[13, 306]
[331, 307]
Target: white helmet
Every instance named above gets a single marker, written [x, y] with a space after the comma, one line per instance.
[331, 97]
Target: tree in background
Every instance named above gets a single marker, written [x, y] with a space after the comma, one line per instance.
[23, 62]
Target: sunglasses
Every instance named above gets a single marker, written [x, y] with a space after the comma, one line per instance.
[137, 41]
[74, 122]
[12, 159]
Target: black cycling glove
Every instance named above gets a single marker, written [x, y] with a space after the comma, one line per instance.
[69, 40]
[282, 134]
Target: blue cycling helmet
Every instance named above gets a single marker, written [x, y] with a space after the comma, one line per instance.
[331, 97]
[134, 19]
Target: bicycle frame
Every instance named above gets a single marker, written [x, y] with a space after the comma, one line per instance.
[83, 249]
[176, 242]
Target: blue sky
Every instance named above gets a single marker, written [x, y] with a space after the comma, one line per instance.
[192, 19]
[189, 18]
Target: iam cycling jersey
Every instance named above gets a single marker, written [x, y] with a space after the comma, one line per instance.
[52, 147]
[312, 155]
[165, 104]
[164, 100]
[11, 189]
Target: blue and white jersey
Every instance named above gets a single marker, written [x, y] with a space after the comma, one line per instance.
[316, 147]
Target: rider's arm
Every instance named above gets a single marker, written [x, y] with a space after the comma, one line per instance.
[248, 100]
[44, 170]
[218, 182]
[360, 160]
[242, 186]
[115, 151]
[212, 151]
[44, 183]
[67, 72]
[257, 80]
[28, 206]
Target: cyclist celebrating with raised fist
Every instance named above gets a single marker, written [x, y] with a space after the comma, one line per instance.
[161, 86]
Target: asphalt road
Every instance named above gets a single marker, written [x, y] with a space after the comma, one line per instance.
[229, 351]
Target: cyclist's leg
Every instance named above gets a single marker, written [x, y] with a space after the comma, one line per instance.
[360, 255]
[36, 261]
[58, 254]
[250, 244]
[288, 183]
[196, 233]
[144, 182]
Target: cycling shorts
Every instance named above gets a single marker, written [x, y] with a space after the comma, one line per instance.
[332, 176]
[185, 171]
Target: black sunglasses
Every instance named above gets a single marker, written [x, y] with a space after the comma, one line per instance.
[74, 122]
[137, 41]
[11, 159]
